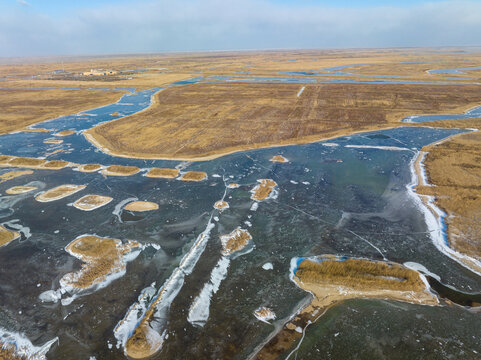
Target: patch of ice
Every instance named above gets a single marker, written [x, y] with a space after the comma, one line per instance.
[254, 206]
[391, 148]
[118, 208]
[421, 268]
[23, 346]
[434, 218]
[264, 314]
[330, 144]
[161, 299]
[268, 266]
[200, 308]
[14, 224]
[50, 296]
[300, 91]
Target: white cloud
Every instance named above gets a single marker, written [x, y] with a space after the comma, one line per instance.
[229, 24]
[23, 2]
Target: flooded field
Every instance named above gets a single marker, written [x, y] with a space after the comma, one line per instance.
[198, 254]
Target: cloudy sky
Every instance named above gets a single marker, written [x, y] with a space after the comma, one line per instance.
[63, 27]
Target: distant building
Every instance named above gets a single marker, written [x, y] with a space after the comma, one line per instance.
[59, 72]
[100, 72]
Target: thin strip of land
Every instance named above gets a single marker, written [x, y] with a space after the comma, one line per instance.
[453, 167]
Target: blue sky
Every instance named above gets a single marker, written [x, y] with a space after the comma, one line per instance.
[52, 27]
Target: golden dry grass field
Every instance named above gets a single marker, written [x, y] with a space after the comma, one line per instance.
[203, 121]
[454, 167]
[161, 69]
[24, 107]
[332, 281]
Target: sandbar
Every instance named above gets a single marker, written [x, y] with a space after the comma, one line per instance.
[235, 241]
[4, 159]
[88, 168]
[26, 162]
[59, 192]
[91, 202]
[53, 141]
[263, 190]
[279, 159]
[193, 176]
[55, 164]
[221, 205]
[36, 130]
[141, 206]
[264, 314]
[233, 186]
[162, 173]
[64, 133]
[14, 174]
[120, 170]
[332, 279]
[20, 190]
[7, 236]
[101, 256]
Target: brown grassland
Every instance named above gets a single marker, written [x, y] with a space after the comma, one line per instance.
[4, 159]
[279, 159]
[162, 173]
[14, 174]
[203, 121]
[101, 257]
[332, 282]
[263, 189]
[64, 133]
[55, 164]
[24, 103]
[360, 274]
[120, 170]
[141, 206]
[193, 176]
[182, 65]
[7, 236]
[9, 352]
[221, 204]
[24, 107]
[59, 192]
[454, 167]
[91, 202]
[235, 241]
[26, 162]
[89, 168]
[264, 312]
[20, 190]
[53, 141]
